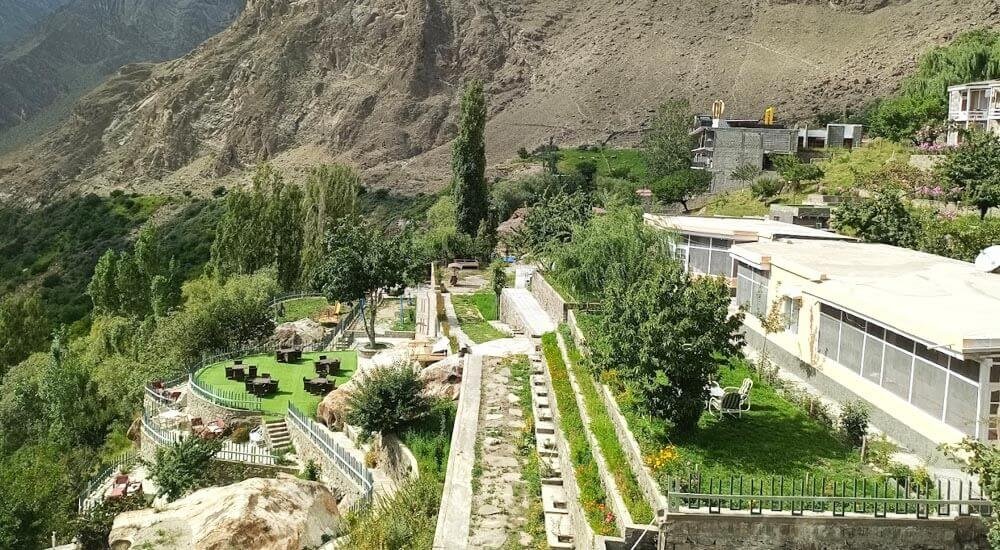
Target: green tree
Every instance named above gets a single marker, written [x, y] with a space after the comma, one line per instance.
[681, 186]
[799, 173]
[880, 218]
[24, 327]
[439, 240]
[388, 400]
[498, 279]
[132, 286]
[901, 119]
[667, 334]
[468, 164]
[981, 459]
[551, 221]
[362, 262]
[667, 146]
[331, 194]
[975, 167]
[261, 227]
[102, 290]
[147, 252]
[745, 173]
[180, 467]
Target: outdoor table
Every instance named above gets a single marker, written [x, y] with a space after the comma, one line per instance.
[288, 355]
[259, 382]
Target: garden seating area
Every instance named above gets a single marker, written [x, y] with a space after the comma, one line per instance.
[122, 487]
[730, 401]
[261, 375]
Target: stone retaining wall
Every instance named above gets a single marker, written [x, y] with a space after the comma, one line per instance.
[744, 532]
[198, 406]
[306, 449]
[550, 300]
[395, 459]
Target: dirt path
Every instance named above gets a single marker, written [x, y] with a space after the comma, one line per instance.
[500, 497]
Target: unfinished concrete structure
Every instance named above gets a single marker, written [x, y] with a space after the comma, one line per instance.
[723, 145]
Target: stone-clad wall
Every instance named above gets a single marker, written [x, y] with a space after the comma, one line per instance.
[307, 450]
[744, 532]
[548, 298]
[198, 406]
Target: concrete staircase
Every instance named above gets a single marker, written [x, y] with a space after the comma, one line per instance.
[558, 524]
[277, 433]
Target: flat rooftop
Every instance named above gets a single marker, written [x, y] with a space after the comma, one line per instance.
[738, 229]
[936, 299]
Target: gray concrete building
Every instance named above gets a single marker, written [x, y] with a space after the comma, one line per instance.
[725, 145]
[806, 215]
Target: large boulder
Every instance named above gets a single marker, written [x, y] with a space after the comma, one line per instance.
[279, 514]
[303, 332]
[332, 410]
[443, 379]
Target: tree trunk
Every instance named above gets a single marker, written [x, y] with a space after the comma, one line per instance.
[982, 211]
[685, 205]
[369, 320]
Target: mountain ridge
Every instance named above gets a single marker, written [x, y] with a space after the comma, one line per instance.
[375, 83]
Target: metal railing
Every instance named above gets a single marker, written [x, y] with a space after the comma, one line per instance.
[246, 453]
[351, 467]
[85, 500]
[879, 497]
[231, 399]
[158, 434]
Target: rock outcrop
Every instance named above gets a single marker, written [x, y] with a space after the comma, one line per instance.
[277, 514]
[443, 380]
[303, 332]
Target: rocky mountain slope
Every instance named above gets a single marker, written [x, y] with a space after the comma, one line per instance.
[375, 82]
[70, 50]
[17, 17]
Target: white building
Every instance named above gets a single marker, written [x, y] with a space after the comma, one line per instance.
[973, 105]
[846, 136]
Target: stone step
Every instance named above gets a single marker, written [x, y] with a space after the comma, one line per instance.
[544, 427]
[554, 499]
[553, 469]
[559, 531]
[546, 445]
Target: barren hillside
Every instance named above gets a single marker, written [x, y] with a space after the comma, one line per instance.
[375, 82]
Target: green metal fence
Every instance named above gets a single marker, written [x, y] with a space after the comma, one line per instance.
[881, 497]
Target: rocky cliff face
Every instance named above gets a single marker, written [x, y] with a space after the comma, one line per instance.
[280, 514]
[70, 50]
[375, 82]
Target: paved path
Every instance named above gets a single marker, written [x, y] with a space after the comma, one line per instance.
[427, 315]
[500, 502]
[533, 318]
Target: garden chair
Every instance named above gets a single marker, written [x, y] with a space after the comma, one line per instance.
[238, 362]
[306, 384]
[731, 403]
[265, 375]
[322, 358]
[272, 387]
[229, 373]
[239, 375]
[321, 370]
[252, 371]
[197, 425]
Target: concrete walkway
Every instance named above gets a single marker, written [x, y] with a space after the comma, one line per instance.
[456, 500]
[426, 315]
[519, 304]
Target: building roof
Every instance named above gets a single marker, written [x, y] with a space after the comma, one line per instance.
[980, 84]
[935, 299]
[738, 229]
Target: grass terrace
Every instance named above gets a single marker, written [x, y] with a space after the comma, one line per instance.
[301, 308]
[619, 163]
[289, 377]
[474, 311]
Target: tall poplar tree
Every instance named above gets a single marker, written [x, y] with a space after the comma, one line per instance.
[331, 194]
[468, 163]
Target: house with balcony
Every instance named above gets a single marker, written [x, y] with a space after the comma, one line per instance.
[723, 145]
[831, 136]
[975, 105]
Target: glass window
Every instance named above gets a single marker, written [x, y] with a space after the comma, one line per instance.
[935, 356]
[698, 260]
[701, 241]
[871, 367]
[829, 336]
[963, 398]
[722, 244]
[829, 310]
[721, 263]
[896, 372]
[928, 387]
[968, 368]
[900, 341]
[851, 342]
[854, 321]
[791, 312]
[875, 330]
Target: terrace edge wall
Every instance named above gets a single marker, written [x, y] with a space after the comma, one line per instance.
[198, 406]
[745, 532]
[330, 474]
[550, 300]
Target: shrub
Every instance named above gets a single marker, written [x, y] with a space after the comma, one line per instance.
[388, 401]
[854, 421]
[311, 472]
[219, 191]
[241, 434]
[179, 467]
[765, 188]
[800, 173]
[522, 153]
[879, 452]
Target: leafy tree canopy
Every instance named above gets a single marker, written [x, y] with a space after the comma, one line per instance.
[388, 401]
[681, 186]
[974, 166]
[469, 161]
[667, 146]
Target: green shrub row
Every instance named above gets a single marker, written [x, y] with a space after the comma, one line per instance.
[592, 495]
[603, 429]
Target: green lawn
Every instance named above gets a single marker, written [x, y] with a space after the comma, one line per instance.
[289, 379]
[486, 303]
[619, 163]
[300, 308]
[472, 321]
